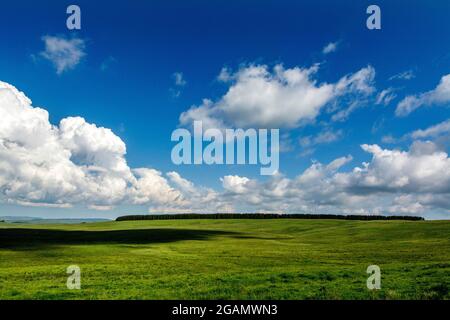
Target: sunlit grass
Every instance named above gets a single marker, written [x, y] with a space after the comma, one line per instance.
[226, 259]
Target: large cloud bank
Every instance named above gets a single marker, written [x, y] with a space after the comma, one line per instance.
[79, 163]
[416, 182]
[75, 162]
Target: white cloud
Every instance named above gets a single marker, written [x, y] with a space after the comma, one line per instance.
[151, 187]
[78, 163]
[281, 98]
[40, 205]
[185, 185]
[73, 163]
[235, 184]
[338, 163]
[331, 47]
[359, 82]
[416, 181]
[406, 204]
[355, 88]
[438, 96]
[205, 113]
[65, 54]
[424, 168]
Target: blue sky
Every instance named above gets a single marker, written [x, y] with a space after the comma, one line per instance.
[125, 80]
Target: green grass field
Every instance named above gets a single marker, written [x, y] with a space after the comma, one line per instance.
[226, 259]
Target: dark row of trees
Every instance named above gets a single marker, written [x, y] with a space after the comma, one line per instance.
[262, 216]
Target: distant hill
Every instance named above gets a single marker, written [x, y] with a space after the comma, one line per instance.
[263, 216]
[38, 220]
[19, 218]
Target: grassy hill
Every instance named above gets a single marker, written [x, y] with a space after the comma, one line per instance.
[226, 259]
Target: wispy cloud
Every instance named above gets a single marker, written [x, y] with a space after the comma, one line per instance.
[385, 96]
[405, 75]
[323, 137]
[309, 143]
[106, 64]
[433, 131]
[331, 47]
[179, 82]
[437, 96]
[179, 79]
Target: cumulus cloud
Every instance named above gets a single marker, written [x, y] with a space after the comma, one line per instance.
[235, 184]
[307, 192]
[406, 204]
[416, 181]
[424, 168]
[438, 96]
[64, 54]
[185, 185]
[280, 98]
[75, 162]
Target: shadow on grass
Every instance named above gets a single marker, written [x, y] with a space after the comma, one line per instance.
[17, 238]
